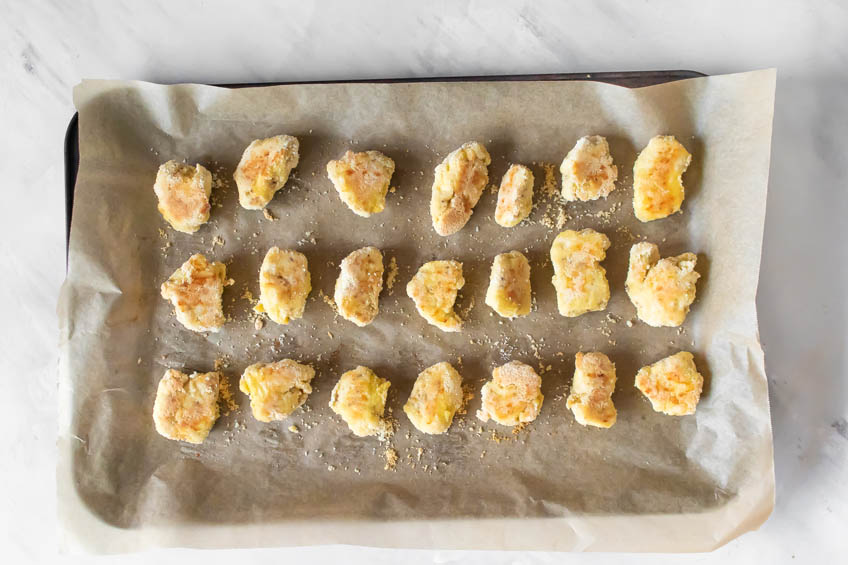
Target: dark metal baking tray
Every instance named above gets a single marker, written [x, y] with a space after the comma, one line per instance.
[630, 79]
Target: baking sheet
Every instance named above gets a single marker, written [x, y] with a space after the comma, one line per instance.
[652, 482]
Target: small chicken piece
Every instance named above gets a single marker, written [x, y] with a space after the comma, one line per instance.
[435, 398]
[359, 284]
[591, 390]
[513, 396]
[661, 289]
[580, 281]
[673, 385]
[276, 389]
[657, 182]
[587, 170]
[183, 192]
[509, 285]
[360, 399]
[362, 180]
[458, 185]
[515, 196]
[186, 407]
[264, 169]
[284, 285]
[433, 289]
[195, 290]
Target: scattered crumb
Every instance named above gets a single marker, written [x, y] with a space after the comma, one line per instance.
[258, 323]
[391, 459]
[225, 396]
[392, 276]
[222, 362]
[328, 301]
[549, 188]
[467, 395]
[268, 215]
[294, 429]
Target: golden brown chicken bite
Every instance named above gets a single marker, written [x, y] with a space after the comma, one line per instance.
[359, 284]
[276, 389]
[186, 406]
[362, 180]
[435, 398]
[661, 289]
[515, 196]
[433, 289]
[458, 185]
[360, 399]
[195, 290]
[587, 170]
[673, 385]
[579, 279]
[284, 285]
[264, 169]
[183, 192]
[657, 178]
[591, 390]
[509, 285]
[513, 396]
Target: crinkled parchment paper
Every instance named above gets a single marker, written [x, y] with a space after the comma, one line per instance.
[652, 482]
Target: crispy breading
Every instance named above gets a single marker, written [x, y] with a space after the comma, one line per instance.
[362, 180]
[186, 406]
[513, 396]
[433, 289]
[458, 185]
[435, 398]
[360, 399]
[587, 171]
[579, 279]
[264, 169]
[359, 284]
[673, 385]
[284, 285]
[276, 389]
[515, 196]
[183, 192]
[509, 285]
[591, 390]
[657, 178]
[661, 289]
[195, 290]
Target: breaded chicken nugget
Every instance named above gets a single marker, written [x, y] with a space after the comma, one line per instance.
[513, 396]
[661, 289]
[264, 169]
[673, 385]
[591, 390]
[276, 389]
[657, 178]
[587, 170]
[515, 196]
[579, 279]
[360, 399]
[359, 284]
[435, 398]
[284, 285]
[186, 407]
[183, 192]
[509, 285]
[362, 180]
[458, 185]
[433, 289]
[195, 290]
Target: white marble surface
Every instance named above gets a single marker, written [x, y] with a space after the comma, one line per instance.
[47, 47]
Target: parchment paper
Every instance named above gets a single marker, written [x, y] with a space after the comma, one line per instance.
[650, 483]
